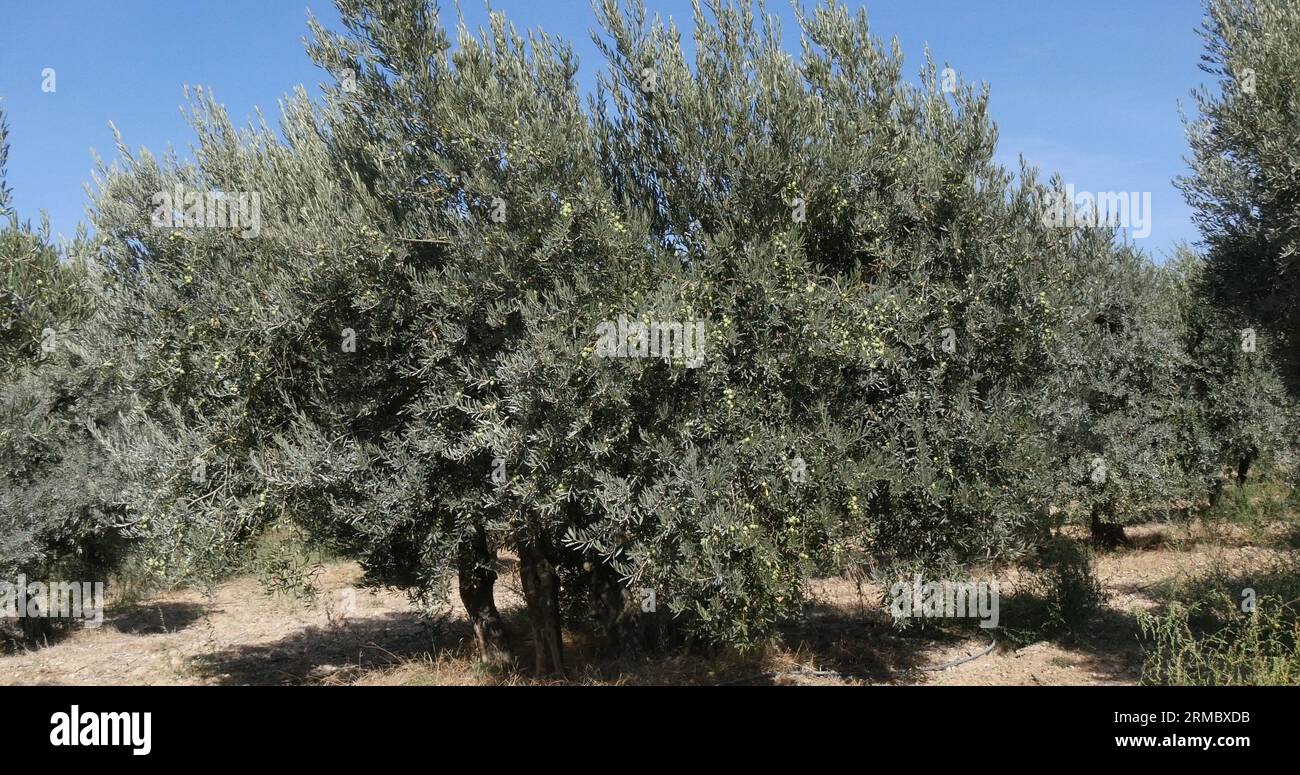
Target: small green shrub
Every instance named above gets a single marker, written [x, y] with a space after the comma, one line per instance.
[1063, 593]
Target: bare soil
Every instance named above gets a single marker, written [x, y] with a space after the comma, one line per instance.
[349, 635]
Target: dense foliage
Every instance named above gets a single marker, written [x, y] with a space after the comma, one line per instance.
[1243, 182]
[60, 516]
[735, 323]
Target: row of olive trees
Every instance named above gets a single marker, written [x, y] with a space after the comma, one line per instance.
[416, 342]
[59, 513]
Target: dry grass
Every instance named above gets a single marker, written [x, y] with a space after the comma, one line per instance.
[239, 635]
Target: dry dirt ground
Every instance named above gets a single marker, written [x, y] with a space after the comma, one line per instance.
[349, 635]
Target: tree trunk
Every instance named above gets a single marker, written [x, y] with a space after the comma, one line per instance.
[1107, 534]
[1243, 467]
[606, 604]
[477, 576]
[1216, 490]
[542, 594]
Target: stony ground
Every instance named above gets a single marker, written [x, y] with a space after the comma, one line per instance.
[240, 635]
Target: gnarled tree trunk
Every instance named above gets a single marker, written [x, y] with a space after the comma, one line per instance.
[1243, 467]
[477, 576]
[1107, 534]
[541, 586]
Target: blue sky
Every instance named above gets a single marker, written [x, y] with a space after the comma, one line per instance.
[1090, 90]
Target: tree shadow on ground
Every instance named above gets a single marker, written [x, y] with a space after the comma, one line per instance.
[857, 643]
[829, 641]
[842, 647]
[1110, 642]
[1105, 640]
[837, 637]
[862, 644]
[1153, 541]
[1291, 537]
[861, 649]
[155, 618]
[16, 638]
[319, 653]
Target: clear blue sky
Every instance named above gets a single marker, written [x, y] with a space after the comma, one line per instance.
[1090, 90]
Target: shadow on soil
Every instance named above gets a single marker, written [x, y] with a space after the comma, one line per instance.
[155, 618]
[856, 648]
[334, 653]
[859, 645]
